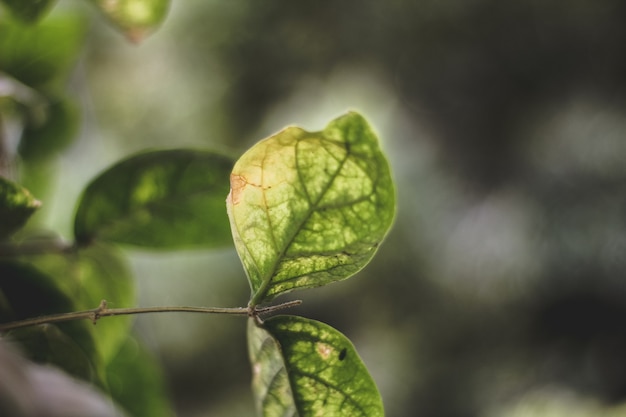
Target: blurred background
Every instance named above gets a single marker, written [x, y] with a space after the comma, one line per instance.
[500, 291]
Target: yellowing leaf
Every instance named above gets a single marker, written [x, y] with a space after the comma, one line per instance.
[306, 368]
[310, 208]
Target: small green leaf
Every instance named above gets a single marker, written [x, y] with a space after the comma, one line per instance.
[44, 138]
[325, 375]
[29, 11]
[42, 54]
[307, 209]
[135, 18]
[16, 206]
[163, 199]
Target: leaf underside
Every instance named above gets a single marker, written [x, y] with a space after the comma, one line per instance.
[307, 209]
[308, 366]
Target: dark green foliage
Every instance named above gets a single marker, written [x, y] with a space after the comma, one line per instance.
[162, 199]
[134, 367]
[41, 55]
[16, 206]
[50, 133]
[29, 11]
[25, 292]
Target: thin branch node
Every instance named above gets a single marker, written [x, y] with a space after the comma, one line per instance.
[97, 313]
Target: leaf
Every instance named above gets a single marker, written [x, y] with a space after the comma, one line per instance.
[163, 199]
[47, 343]
[137, 383]
[270, 382]
[44, 138]
[325, 375]
[103, 275]
[42, 54]
[87, 277]
[26, 292]
[29, 11]
[16, 206]
[307, 209]
[135, 18]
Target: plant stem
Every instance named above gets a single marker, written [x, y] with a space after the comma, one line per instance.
[103, 311]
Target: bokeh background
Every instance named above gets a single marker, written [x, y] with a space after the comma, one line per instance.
[500, 291]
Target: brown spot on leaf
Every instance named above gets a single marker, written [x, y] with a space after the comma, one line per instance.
[237, 184]
[324, 350]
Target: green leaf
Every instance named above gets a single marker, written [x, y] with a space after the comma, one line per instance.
[135, 18]
[87, 277]
[103, 275]
[28, 11]
[44, 138]
[27, 292]
[163, 199]
[137, 383]
[307, 209]
[270, 382]
[42, 54]
[16, 206]
[47, 343]
[310, 365]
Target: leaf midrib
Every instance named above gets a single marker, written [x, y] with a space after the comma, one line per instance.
[266, 281]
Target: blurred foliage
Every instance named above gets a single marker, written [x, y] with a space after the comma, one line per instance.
[505, 124]
[158, 200]
[16, 206]
[28, 11]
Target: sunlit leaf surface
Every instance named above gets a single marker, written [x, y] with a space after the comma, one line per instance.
[307, 208]
[325, 375]
[16, 205]
[163, 199]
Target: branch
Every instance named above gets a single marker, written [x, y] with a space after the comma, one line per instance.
[103, 311]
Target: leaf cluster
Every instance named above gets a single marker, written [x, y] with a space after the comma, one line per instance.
[304, 209]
